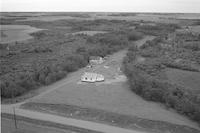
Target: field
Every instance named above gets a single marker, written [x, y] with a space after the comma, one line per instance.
[16, 33]
[187, 79]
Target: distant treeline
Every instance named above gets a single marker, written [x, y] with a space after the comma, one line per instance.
[158, 29]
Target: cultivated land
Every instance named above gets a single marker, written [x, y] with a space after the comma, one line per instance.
[30, 68]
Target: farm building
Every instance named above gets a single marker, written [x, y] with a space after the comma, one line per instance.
[96, 60]
[92, 77]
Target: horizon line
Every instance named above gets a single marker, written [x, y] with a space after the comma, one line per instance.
[102, 12]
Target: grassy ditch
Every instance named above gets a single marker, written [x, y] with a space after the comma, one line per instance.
[49, 124]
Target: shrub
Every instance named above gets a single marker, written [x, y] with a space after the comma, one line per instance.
[70, 66]
[59, 75]
[133, 36]
[195, 46]
[27, 83]
[158, 29]
[42, 78]
[54, 76]
[80, 50]
[108, 39]
[3, 45]
[11, 89]
[100, 51]
[73, 62]
[39, 35]
[50, 78]
[154, 94]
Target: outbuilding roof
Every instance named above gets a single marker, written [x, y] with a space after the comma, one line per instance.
[95, 57]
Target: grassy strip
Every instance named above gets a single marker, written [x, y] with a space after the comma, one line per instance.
[110, 118]
[49, 124]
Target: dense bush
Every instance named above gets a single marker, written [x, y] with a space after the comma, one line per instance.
[41, 76]
[152, 43]
[108, 39]
[3, 45]
[45, 75]
[111, 42]
[158, 29]
[11, 89]
[180, 66]
[74, 62]
[39, 35]
[25, 82]
[195, 46]
[16, 86]
[133, 35]
[103, 50]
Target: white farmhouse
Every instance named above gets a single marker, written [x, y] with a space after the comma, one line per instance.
[92, 77]
[96, 60]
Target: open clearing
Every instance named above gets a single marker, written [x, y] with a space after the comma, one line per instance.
[195, 29]
[184, 78]
[15, 33]
[114, 97]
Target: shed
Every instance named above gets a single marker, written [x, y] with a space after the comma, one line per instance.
[96, 60]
